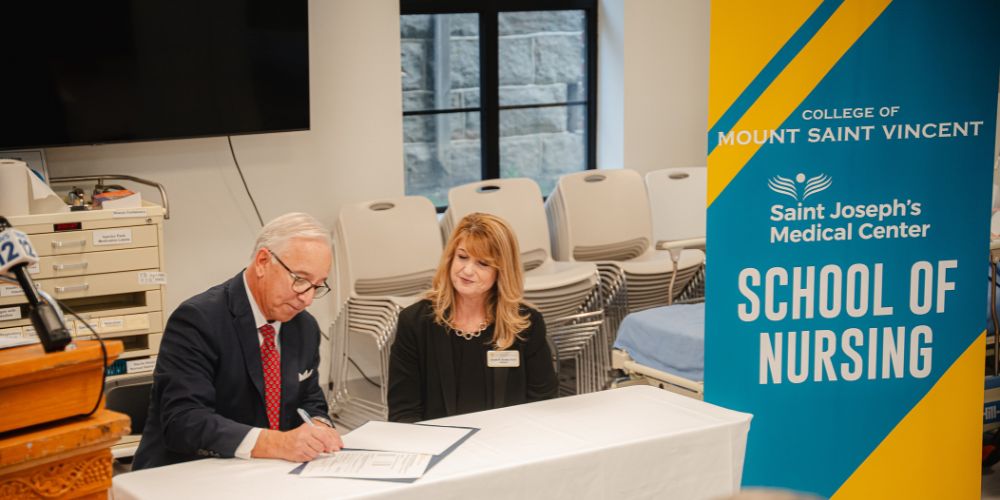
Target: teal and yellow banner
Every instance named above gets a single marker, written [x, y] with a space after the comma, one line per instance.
[850, 164]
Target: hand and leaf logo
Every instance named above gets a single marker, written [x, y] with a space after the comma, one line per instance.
[800, 188]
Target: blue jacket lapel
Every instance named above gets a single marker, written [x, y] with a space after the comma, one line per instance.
[246, 331]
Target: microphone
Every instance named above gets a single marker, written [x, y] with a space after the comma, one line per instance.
[16, 254]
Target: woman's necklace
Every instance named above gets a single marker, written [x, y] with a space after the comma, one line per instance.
[470, 334]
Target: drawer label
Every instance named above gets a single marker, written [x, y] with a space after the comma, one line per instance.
[119, 236]
[10, 313]
[34, 268]
[10, 333]
[81, 327]
[111, 324]
[152, 278]
[122, 213]
[140, 365]
[15, 290]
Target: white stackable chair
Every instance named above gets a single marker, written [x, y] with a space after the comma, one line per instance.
[388, 245]
[518, 201]
[566, 293]
[386, 254]
[603, 216]
[677, 204]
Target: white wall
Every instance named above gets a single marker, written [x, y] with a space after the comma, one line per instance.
[660, 81]
[352, 152]
[611, 84]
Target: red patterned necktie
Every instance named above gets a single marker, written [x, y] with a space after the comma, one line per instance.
[271, 361]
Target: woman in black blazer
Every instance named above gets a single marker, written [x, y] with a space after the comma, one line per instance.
[472, 343]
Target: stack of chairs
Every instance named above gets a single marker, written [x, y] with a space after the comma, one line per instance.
[386, 253]
[582, 356]
[568, 294]
[677, 204]
[603, 216]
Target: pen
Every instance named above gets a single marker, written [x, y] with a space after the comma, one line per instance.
[306, 418]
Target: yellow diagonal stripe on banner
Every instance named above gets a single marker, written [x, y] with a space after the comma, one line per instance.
[740, 48]
[792, 86]
[930, 454]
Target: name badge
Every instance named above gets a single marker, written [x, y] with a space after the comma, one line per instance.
[503, 359]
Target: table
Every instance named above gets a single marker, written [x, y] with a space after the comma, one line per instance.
[632, 442]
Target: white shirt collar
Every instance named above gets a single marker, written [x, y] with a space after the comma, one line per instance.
[258, 317]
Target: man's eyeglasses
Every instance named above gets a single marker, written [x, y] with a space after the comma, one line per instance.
[302, 285]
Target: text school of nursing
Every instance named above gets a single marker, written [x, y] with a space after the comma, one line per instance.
[858, 352]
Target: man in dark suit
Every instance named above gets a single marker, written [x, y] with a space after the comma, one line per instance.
[238, 361]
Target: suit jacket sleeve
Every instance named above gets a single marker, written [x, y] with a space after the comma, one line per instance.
[541, 377]
[185, 371]
[405, 396]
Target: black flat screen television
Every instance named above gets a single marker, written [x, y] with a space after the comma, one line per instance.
[93, 72]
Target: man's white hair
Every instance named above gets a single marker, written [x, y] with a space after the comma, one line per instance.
[277, 233]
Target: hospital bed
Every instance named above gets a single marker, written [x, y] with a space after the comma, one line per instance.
[665, 346]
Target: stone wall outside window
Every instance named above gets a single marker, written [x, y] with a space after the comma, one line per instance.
[541, 60]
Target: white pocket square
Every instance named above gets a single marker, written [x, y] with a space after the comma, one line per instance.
[304, 375]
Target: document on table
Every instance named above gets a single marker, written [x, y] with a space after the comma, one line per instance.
[388, 450]
[363, 464]
[411, 438]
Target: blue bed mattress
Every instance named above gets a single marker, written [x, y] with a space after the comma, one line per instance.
[670, 339]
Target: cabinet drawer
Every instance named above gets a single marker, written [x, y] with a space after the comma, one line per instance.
[94, 240]
[116, 305]
[77, 264]
[88, 219]
[136, 344]
[140, 345]
[95, 285]
[109, 327]
[92, 307]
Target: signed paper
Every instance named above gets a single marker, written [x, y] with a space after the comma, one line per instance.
[362, 464]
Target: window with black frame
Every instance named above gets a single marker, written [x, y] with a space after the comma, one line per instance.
[496, 89]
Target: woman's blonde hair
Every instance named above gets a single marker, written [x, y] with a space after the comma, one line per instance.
[488, 238]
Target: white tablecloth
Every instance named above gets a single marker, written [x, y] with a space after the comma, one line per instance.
[634, 442]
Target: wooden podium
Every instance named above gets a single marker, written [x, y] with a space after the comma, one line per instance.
[46, 449]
